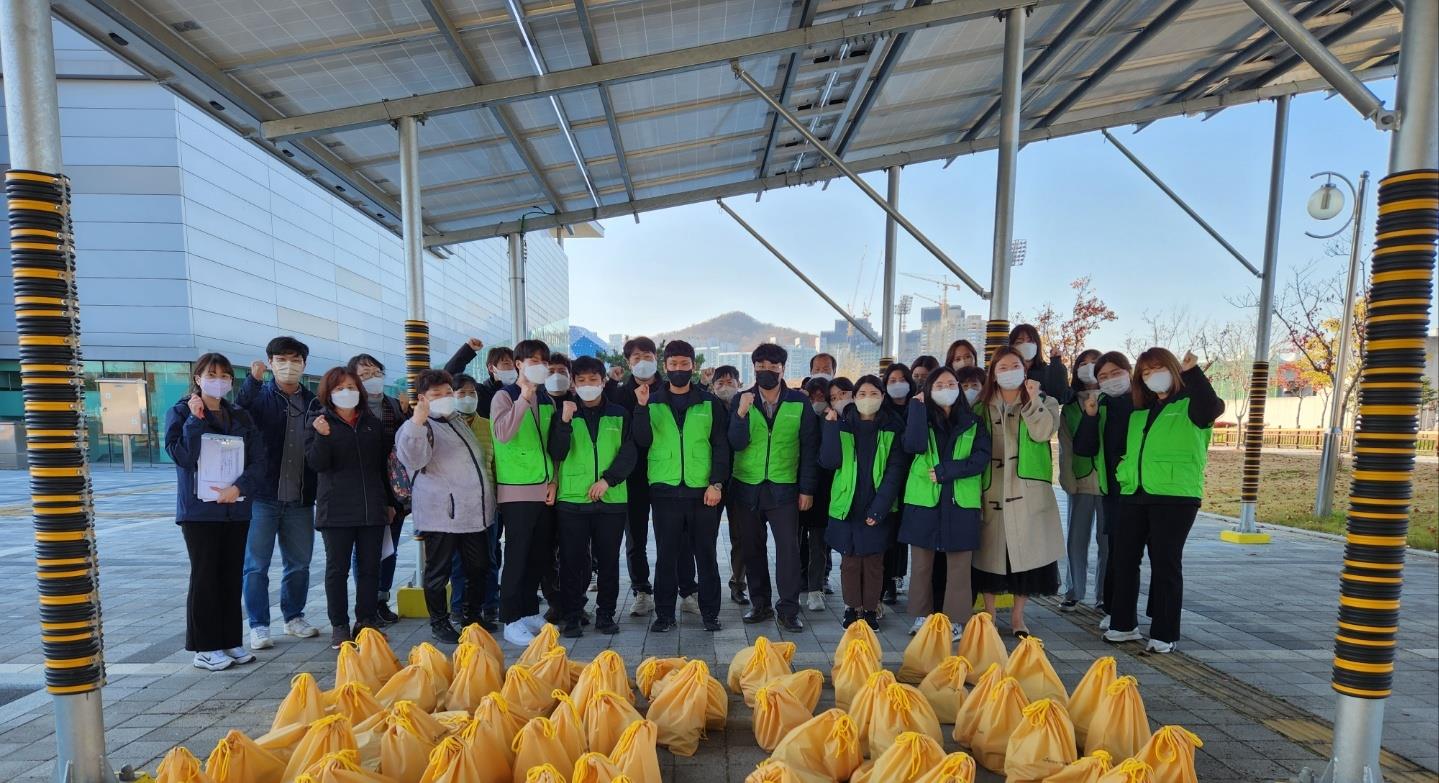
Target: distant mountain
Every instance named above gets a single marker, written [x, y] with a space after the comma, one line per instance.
[737, 329]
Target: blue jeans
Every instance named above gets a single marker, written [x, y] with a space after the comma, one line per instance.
[492, 576]
[294, 525]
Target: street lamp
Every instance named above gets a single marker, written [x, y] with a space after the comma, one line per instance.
[1326, 204]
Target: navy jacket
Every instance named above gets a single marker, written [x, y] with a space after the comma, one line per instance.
[851, 535]
[1053, 379]
[266, 405]
[352, 464]
[946, 527]
[183, 433]
[769, 495]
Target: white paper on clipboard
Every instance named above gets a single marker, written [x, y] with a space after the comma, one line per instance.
[387, 546]
[222, 460]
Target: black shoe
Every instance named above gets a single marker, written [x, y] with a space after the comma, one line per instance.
[372, 623]
[573, 629]
[890, 595]
[758, 615]
[661, 625]
[552, 615]
[791, 624]
[457, 619]
[827, 589]
[1068, 606]
[489, 626]
[444, 631]
[338, 636]
[584, 618]
[713, 624]
[491, 616]
[606, 625]
[737, 595]
[871, 619]
[850, 617]
[386, 616]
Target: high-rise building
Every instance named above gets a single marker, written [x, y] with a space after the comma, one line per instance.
[854, 354]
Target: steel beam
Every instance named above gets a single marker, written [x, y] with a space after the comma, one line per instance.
[582, 13]
[1188, 210]
[1358, 21]
[889, 350]
[791, 71]
[519, 329]
[855, 322]
[892, 55]
[1011, 98]
[413, 228]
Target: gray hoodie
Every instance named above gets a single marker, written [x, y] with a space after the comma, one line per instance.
[453, 491]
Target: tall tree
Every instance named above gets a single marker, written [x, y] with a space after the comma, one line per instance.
[1070, 333]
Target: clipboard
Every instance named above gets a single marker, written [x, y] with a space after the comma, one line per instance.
[222, 460]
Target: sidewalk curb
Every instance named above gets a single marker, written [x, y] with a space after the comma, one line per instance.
[1307, 533]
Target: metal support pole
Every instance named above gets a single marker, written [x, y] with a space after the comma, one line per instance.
[417, 329]
[126, 454]
[890, 349]
[74, 656]
[1188, 210]
[519, 330]
[1318, 56]
[855, 322]
[864, 187]
[1334, 436]
[1390, 379]
[1248, 529]
[1010, 96]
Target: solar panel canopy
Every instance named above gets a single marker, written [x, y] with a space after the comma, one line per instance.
[599, 108]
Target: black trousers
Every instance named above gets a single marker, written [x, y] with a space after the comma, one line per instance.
[896, 558]
[686, 531]
[814, 557]
[784, 523]
[1113, 507]
[363, 543]
[217, 565]
[736, 547]
[589, 540]
[637, 536]
[1162, 529]
[440, 549]
[529, 557]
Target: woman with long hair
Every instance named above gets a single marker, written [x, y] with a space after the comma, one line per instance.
[898, 389]
[961, 354]
[1050, 373]
[1083, 481]
[1100, 437]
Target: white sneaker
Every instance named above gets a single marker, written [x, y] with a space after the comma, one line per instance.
[690, 604]
[260, 639]
[1119, 637]
[534, 623]
[644, 604]
[1162, 648]
[301, 628]
[518, 634]
[879, 613]
[955, 631]
[240, 655]
[815, 602]
[918, 624]
[214, 660]
[1104, 623]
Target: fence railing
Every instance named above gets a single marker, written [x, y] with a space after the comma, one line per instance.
[1308, 439]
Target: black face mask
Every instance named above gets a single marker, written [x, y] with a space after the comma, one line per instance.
[680, 378]
[767, 379]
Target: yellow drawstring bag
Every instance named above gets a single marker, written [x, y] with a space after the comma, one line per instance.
[1120, 725]
[1087, 769]
[966, 721]
[180, 766]
[906, 760]
[1003, 712]
[547, 639]
[525, 694]
[684, 707]
[1085, 700]
[350, 666]
[825, 747]
[902, 708]
[805, 685]
[553, 669]
[569, 726]
[928, 649]
[853, 665]
[444, 762]
[499, 724]
[303, 704]
[375, 649]
[771, 771]
[605, 673]
[429, 656]
[1129, 771]
[474, 634]
[1042, 744]
[282, 741]
[637, 754]
[356, 702]
[865, 701]
[475, 676]
[489, 754]
[1036, 676]
[944, 687]
[869, 641]
[776, 712]
[594, 768]
[957, 767]
[606, 719]
[1170, 752]
[418, 683]
[239, 759]
[980, 643]
[342, 766]
[652, 671]
[327, 735]
[545, 773]
[408, 737]
[537, 744]
[755, 666]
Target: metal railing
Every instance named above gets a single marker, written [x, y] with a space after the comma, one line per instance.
[1309, 439]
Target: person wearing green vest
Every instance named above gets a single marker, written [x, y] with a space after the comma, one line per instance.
[950, 450]
[520, 419]
[1020, 538]
[775, 436]
[814, 553]
[1160, 469]
[861, 446]
[725, 386]
[683, 430]
[1051, 375]
[1083, 481]
[640, 355]
[1104, 433]
[592, 445]
[898, 388]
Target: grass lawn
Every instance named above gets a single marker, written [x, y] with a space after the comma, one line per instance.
[1286, 493]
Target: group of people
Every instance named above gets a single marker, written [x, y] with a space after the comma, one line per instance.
[524, 486]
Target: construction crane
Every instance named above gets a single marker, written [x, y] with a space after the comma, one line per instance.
[859, 277]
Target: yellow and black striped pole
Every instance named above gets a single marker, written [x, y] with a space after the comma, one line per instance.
[417, 353]
[996, 335]
[417, 328]
[1253, 443]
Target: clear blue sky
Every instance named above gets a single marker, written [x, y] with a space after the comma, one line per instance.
[1082, 207]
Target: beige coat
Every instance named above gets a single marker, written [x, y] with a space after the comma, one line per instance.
[1021, 516]
[1089, 485]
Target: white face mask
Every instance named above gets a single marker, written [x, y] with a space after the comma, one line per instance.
[589, 393]
[842, 405]
[375, 386]
[287, 372]
[1010, 379]
[645, 369]
[898, 390]
[1116, 386]
[1086, 373]
[945, 397]
[442, 407]
[819, 407]
[467, 404]
[345, 399]
[536, 373]
[726, 392]
[557, 383]
[971, 394]
[868, 406]
[1027, 351]
[1159, 381]
[507, 377]
[960, 364]
[825, 375]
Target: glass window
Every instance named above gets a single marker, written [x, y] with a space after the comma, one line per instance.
[167, 383]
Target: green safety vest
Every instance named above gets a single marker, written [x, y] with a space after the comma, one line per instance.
[590, 457]
[1169, 459]
[524, 458]
[1083, 466]
[772, 455]
[846, 479]
[677, 456]
[1036, 459]
[921, 490]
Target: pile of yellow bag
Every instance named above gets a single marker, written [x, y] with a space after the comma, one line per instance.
[1016, 718]
[468, 718]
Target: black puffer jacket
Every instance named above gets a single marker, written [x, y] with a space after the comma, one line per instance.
[351, 465]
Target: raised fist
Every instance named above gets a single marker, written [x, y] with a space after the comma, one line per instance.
[321, 425]
[1032, 387]
[257, 370]
[421, 410]
[476, 344]
[1190, 362]
[567, 411]
[831, 415]
[197, 406]
[642, 394]
[1091, 405]
[746, 401]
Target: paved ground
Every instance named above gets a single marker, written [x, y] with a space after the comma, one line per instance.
[1252, 680]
